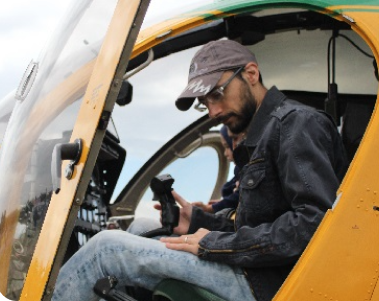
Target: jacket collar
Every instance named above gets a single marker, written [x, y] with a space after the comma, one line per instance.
[272, 99]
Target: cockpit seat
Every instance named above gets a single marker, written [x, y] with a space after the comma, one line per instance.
[176, 290]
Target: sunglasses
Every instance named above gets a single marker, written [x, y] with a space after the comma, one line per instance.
[216, 95]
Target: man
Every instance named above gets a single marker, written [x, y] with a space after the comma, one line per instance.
[292, 162]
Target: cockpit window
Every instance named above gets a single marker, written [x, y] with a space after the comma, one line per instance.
[39, 121]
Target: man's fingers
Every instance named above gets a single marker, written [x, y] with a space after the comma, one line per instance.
[198, 204]
[187, 243]
[175, 240]
[158, 207]
[180, 247]
[182, 202]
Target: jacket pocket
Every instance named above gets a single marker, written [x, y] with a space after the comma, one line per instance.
[261, 198]
[253, 176]
[251, 197]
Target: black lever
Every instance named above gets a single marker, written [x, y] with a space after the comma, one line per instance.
[105, 288]
[161, 187]
[64, 151]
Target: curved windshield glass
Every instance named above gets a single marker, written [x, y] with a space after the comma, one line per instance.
[195, 177]
[43, 117]
[6, 107]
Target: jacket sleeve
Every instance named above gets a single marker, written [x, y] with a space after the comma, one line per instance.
[229, 201]
[304, 162]
[213, 222]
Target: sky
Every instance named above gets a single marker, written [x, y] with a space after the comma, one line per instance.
[26, 27]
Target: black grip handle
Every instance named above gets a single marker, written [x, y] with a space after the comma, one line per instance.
[162, 186]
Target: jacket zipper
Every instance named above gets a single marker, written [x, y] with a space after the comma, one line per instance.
[255, 161]
[229, 251]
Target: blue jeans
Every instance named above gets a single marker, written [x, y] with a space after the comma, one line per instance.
[143, 262]
[143, 224]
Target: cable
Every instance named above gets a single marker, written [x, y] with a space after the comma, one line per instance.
[331, 105]
[332, 39]
[356, 46]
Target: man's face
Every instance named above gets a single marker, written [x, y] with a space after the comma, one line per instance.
[237, 107]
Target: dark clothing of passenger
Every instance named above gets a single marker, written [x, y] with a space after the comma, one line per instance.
[230, 194]
[224, 133]
[292, 162]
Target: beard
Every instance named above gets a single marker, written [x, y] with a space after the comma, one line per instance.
[245, 114]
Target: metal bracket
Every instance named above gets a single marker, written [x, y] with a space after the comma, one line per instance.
[150, 58]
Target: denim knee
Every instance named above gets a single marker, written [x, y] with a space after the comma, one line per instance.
[143, 224]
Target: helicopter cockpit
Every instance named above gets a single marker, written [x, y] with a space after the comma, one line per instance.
[312, 56]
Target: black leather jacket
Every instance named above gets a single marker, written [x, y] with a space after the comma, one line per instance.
[292, 163]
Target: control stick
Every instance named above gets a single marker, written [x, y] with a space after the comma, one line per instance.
[162, 187]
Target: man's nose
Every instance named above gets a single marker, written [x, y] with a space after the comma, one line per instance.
[214, 110]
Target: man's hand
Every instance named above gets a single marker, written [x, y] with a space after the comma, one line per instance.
[204, 207]
[185, 213]
[186, 243]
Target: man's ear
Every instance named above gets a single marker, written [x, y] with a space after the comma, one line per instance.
[252, 73]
